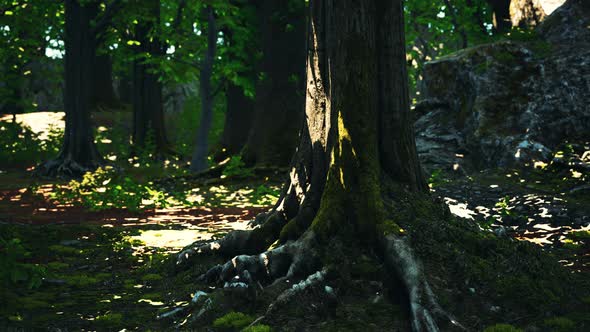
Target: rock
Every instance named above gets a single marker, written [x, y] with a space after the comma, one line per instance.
[508, 103]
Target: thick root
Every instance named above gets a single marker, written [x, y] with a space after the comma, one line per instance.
[425, 311]
[290, 260]
[247, 242]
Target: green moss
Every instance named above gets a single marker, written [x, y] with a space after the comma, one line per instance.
[233, 320]
[579, 235]
[290, 231]
[559, 324]
[31, 303]
[80, 280]
[110, 319]
[258, 328]
[151, 277]
[63, 250]
[389, 227]
[570, 244]
[502, 328]
[56, 266]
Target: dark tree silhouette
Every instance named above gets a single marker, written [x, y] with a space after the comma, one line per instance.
[148, 107]
[279, 101]
[78, 154]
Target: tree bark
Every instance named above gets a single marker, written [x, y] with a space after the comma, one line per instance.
[148, 107]
[78, 154]
[199, 160]
[279, 101]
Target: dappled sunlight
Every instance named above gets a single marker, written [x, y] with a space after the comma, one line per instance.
[173, 240]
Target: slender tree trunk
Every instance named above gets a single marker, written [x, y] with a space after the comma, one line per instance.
[238, 120]
[148, 108]
[239, 107]
[78, 153]
[199, 159]
[279, 101]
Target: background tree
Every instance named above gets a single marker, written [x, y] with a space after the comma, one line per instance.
[79, 153]
[279, 103]
[199, 161]
[148, 107]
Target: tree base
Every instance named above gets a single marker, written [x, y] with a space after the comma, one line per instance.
[66, 168]
[441, 265]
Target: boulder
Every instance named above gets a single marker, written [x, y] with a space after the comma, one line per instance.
[509, 103]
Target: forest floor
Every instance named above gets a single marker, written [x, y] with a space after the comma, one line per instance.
[105, 270]
[66, 267]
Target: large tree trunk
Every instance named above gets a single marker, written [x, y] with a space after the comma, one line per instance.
[148, 107]
[356, 151]
[279, 98]
[79, 153]
[201, 151]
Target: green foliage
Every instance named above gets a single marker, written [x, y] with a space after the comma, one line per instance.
[264, 195]
[433, 30]
[19, 145]
[233, 321]
[436, 178]
[14, 268]
[504, 206]
[235, 167]
[502, 328]
[105, 189]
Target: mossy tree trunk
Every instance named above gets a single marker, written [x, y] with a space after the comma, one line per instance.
[148, 107]
[79, 153]
[356, 151]
[279, 99]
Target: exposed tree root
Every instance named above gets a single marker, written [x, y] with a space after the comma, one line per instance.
[66, 168]
[298, 260]
[291, 260]
[425, 311]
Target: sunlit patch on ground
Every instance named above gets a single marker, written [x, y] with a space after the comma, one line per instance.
[172, 240]
[39, 122]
